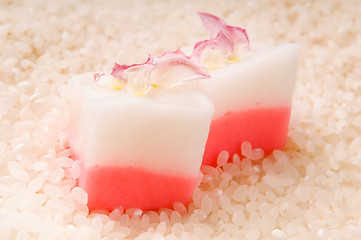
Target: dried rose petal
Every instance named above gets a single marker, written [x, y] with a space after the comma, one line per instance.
[212, 23]
[214, 53]
[165, 71]
[228, 44]
[173, 68]
[120, 71]
[239, 35]
[135, 76]
[97, 76]
[177, 57]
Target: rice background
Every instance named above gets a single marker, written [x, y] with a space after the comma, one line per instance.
[311, 190]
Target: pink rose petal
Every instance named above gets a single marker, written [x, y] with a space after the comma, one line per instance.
[221, 43]
[135, 76]
[165, 71]
[171, 59]
[97, 76]
[120, 71]
[174, 68]
[214, 24]
[238, 35]
[231, 41]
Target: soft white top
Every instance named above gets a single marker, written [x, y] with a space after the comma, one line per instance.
[164, 132]
[264, 79]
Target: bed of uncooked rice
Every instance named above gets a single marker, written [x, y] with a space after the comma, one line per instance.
[311, 190]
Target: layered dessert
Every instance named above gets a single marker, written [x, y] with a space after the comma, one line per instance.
[251, 88]
[139, 132]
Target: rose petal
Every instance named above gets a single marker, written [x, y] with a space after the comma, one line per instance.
[228, 44]
[214, 53]
[238, 35]
[174, 68]
[97, 76]
[135, 76]
[212, 23]
[119, 71]
[165, 71]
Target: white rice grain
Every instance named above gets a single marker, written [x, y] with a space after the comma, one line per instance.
[207, 204]
[79, 195]
[52, 191]
[278, 235]
[180, 208]
[246, 149]
[17, 171]
[222, 158]
[40, 166]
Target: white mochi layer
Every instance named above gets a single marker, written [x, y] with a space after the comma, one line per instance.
[164, 132]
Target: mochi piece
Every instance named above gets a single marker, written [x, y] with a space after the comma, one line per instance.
[251, 87]
[252, 100]
[137, 150]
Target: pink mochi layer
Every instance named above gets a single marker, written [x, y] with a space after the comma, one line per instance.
[111, 187]
[264, 128]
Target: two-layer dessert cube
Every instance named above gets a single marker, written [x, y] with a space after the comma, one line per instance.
[250, 87]
[140, 138]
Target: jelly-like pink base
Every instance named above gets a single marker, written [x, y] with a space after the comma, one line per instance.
[264, 128]
[111, 187]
